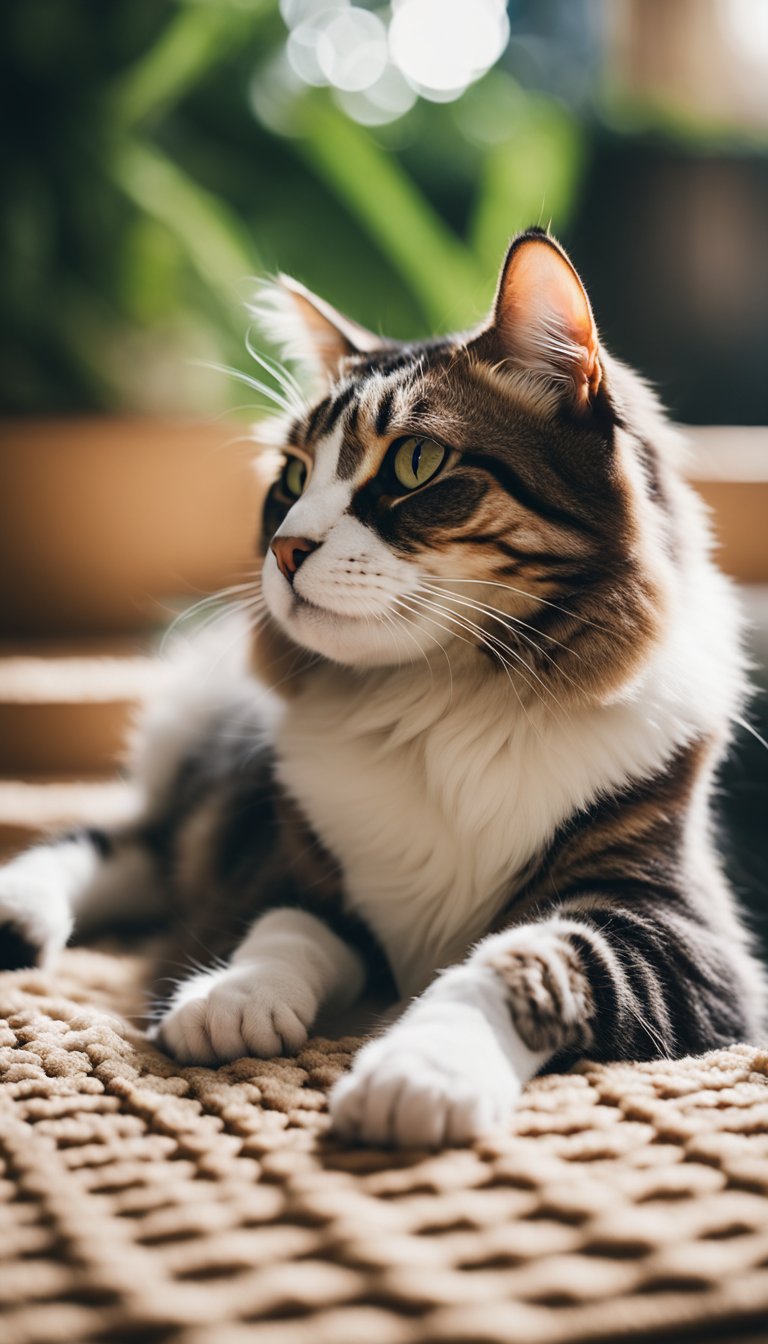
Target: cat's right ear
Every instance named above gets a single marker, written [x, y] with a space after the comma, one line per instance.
[309, 330]
[542, 323]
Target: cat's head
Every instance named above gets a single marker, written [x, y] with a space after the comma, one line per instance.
[479, 492]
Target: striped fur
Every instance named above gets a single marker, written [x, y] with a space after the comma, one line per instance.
[475, 765]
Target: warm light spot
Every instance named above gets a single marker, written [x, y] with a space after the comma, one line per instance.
[390, 97]
[746, 25]
[378, 62]
[443, 45]
[352, 49]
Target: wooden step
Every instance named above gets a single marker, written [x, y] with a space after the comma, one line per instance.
[65, 708]
[33, 806]
[111, 520]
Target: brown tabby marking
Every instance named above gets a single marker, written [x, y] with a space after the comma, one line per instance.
[548, 1013]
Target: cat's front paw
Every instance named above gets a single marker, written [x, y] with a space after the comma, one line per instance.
[437, 1077]
[220, 1015]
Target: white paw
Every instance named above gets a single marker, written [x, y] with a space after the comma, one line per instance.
[35, 913]
[437, 1077]
[242, 1010]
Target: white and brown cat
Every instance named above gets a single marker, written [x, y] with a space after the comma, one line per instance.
[468, 754]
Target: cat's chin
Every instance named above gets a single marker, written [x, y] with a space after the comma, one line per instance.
[352, 640]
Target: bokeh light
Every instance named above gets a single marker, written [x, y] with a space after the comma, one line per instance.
[443, 45]
[352, 50]
[746, 26]
[379, 61]
[388, 98]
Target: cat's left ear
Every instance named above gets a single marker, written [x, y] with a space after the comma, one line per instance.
[310, 330]
[542, 319]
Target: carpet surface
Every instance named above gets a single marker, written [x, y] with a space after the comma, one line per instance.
[141, 1203]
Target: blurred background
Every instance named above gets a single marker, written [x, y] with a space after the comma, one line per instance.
[158, 155]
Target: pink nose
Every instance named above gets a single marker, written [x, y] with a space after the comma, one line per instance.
[290, 552]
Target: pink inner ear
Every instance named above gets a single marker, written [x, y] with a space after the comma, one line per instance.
[539, 288]
[334, 334]
[310, 330]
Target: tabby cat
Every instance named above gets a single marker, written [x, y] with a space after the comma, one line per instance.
[469, 756]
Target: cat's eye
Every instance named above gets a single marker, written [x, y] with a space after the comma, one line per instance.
[416, 461]
[295, 476]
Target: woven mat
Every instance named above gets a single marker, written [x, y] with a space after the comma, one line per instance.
[141, 1202]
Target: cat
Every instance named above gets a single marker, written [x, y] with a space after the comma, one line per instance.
[469, 756]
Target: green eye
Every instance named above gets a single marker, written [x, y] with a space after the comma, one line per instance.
[416, 461]
[295, 476]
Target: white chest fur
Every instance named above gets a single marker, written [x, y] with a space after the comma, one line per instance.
[434, 798]
[413, 807]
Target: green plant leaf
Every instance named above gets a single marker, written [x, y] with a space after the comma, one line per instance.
[440, 270]
[189, 48]
[212, 236]
[529, 177]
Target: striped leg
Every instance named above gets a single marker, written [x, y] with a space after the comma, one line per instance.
[686, 985]
[620, 979]
[628, 975]
[596, 978]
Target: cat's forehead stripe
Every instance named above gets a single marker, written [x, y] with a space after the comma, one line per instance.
[384, 413]
[315, 417]
[378, 396]
[376, 384]
[338, 406]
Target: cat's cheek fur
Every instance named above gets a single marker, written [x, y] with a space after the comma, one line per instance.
[451, 1069]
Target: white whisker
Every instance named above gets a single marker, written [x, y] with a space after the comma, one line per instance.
[420, 609]
[504, 616]
[282, 376]
[490, 641]
[504, 619]
[218, 599]
[279, 398]
[405, 620]
[521, 592]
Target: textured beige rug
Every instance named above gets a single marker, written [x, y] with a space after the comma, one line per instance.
[142, 1203]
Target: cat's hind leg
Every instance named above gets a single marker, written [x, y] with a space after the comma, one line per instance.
[194, 733]
[89, 877]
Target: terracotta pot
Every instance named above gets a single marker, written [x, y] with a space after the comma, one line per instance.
[729, 468]
[107, 523]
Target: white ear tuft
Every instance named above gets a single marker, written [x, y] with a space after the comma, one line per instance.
[308, 330]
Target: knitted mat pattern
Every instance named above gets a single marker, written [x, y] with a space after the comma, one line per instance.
[142, 1203]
